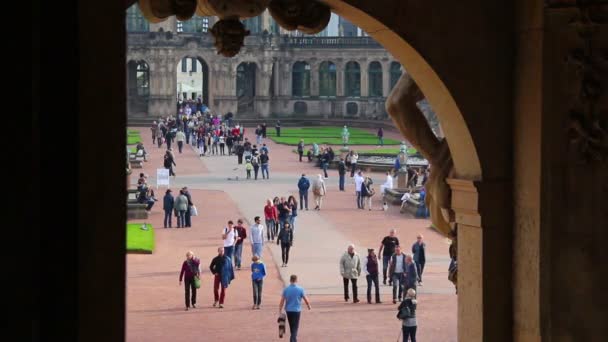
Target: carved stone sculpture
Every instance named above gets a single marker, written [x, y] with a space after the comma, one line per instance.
[229, 36]
[401, 105]
[307, 16]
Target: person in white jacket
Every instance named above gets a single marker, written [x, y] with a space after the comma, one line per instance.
[388, 184]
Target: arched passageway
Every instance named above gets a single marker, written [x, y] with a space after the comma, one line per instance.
[192, 75]
[138, 87]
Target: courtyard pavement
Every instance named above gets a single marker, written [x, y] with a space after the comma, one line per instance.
[155, 309]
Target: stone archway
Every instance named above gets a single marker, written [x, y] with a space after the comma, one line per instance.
[190, 74]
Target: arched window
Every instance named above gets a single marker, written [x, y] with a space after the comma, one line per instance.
[143, 79]
[300, 79]
[395, 73]
[374, 74]
[352, 79]
[327, 79]
[194, 25]
[136, 21]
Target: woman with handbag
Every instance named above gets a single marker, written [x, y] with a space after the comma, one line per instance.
[190, 274]
[407, 315]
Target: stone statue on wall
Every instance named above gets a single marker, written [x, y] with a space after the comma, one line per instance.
[401, 106]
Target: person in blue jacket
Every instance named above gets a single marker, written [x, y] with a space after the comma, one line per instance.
[258, 272]
[303, 186]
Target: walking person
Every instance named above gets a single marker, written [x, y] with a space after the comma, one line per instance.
[411, 273]
[350, 269]
[169, 162]
[292, 300]
[272, 217]
[301, 149]
[284, 212]
[396, 271]
[248, 167]
[285, 238]
[190, 273]
[354, 157]
[159, 137]
[303, 186]
[341, 173]
[264, 161]
[419, 252]
[222, 142]
[188, 214]
[168, 205]
[255, 162]
[319, 191]
[154, 130]
[388, 244]
[181, 205]
[180, 137]
[380, 136]
[359, 179]
[325, 159]
[293, 205]
[229, 236]
[258, 272]
[370, 269]
[240, 150]
[407, 315]
[238, 246]
[169, 139]
[221, 268]
[257, 237]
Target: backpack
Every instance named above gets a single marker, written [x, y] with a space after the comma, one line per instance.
[404, 312]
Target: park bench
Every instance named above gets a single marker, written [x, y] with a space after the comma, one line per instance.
[136, 162]
[136, 211]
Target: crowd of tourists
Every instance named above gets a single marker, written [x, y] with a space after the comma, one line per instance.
[215, 135]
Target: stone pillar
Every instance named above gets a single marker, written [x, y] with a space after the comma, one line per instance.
[364, 65]
[314, 79]
[262, 95]
[169, 25]
[339, 79]
[277, 78]
[386, 79]
[286, 78]
[484, 288]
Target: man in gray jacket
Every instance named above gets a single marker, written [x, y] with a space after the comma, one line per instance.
[350, 269]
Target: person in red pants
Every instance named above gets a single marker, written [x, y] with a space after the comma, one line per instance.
[221, 267]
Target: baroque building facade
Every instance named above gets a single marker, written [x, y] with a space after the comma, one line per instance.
[276, 74]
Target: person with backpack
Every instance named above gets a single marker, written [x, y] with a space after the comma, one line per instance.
[190, 274]
[319, 191]
[407, 314]
[255, 162]
[303, 186]
[248, 167]
[264, 161]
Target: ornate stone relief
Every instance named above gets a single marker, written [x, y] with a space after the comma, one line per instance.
[308, 16]
[588, 122]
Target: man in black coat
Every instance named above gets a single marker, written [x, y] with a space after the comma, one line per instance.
[419, 251]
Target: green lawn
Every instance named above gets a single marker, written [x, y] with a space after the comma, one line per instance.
[133, 137]
[138, 240]
[326, 136]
